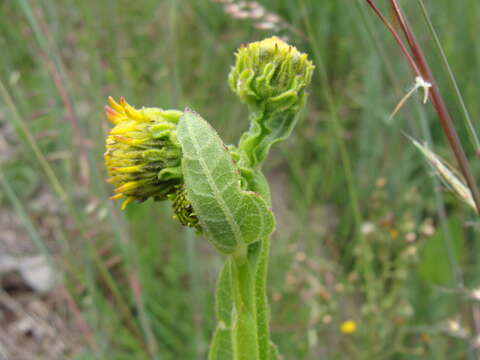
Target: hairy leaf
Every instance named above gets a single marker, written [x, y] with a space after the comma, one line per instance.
[228, 215]
[221, 347]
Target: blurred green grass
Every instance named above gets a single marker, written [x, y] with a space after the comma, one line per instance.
[349, 187]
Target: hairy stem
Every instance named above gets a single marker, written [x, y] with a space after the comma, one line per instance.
[244, 332]
[262, 300]
[259, 183]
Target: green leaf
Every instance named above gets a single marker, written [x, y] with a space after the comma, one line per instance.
[223, 299]
[228, 215]
[221, 347]
[435, 267]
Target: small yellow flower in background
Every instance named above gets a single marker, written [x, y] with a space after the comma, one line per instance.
[424, 337]
[394, 233]
[348, 327]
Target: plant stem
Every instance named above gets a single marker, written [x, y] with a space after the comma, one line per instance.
[262, 300]
[259, 184]
[397, 37]
[244, 332]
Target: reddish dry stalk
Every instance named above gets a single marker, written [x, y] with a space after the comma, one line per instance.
[62, 91]
[137, 289]
[81, 322]
[439, 104]
[397, 37]
[421, 68]
[476, 317]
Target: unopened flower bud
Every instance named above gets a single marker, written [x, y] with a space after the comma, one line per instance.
[271, 75]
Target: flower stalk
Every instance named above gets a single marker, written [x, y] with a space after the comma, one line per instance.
[245, 340]
[219, 190]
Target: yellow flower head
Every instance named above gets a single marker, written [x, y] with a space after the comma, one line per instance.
[143, 156]
[270, 74]
[348, 327]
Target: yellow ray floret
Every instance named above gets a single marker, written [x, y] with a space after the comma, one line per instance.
[117, 196]
[113, 116]
[130, 111]
[115, 105]
[128, 169]
[127, 201]
[124, 128]
[127, 140]
[128, 186]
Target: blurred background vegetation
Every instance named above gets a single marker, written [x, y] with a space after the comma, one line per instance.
[366, 234]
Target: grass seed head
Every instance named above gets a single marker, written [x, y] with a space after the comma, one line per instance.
[447, 175]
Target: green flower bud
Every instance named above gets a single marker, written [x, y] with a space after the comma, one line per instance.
[143, 156]
[271, 75]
